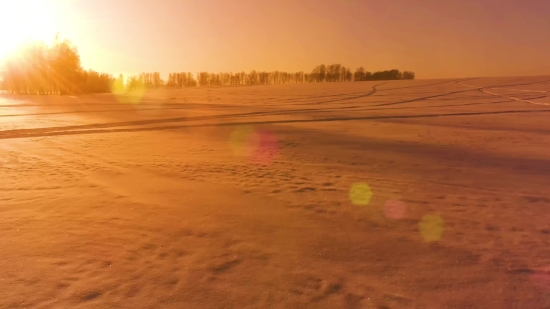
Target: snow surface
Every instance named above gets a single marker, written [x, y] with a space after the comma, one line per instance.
[402, 194]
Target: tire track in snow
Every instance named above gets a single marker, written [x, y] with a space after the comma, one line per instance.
[31, 133]
[116, 126]
[215, 117]
[482, 89]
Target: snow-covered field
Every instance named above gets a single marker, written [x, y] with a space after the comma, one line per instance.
[402, 194]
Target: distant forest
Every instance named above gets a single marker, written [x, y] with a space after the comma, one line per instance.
[56, 69]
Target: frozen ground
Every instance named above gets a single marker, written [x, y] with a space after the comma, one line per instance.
[404, 194]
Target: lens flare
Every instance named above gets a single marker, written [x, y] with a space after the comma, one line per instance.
[258, 146]
[242, 140]
[135, 95]
[431, 227]
[265, 147]
[394, 209]
[360, 194]
[541, 277]
[129, 96]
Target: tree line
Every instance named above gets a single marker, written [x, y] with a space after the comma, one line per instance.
[38, 68]
[321, 73]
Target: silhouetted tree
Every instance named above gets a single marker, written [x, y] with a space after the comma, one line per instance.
[94, 82]
[408, 75]
[361, 75]
[37, 68]
[41, 69]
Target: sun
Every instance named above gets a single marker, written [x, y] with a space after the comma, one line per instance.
[24, 20]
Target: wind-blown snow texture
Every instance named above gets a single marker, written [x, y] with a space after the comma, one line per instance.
[403, 194]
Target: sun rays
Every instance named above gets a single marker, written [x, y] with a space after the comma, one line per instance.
[25, 20]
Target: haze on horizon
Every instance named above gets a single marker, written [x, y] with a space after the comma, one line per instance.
[435, 39]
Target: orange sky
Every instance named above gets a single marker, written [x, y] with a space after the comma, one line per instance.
[434, 38]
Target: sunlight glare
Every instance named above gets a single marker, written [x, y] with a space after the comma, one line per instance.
[24, 20]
